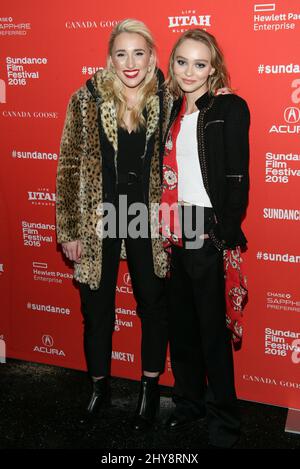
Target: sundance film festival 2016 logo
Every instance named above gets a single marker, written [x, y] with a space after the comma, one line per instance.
[17, 73]
[279, 343]
[281, 168]
[123, 322]
[35, 234]
[188, 19]
[48, 347]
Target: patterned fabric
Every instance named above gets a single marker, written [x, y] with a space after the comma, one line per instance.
[236, 291]
[169, 215]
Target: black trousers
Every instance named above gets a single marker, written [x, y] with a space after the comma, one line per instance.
[98, 307]
[200, 346]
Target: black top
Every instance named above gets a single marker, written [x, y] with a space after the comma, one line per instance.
[131, 148]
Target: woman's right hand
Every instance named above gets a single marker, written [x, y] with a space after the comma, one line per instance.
[73, 250]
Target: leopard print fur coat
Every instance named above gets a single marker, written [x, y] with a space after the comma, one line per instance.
[79, 185]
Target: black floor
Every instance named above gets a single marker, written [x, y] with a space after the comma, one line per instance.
[42, 407]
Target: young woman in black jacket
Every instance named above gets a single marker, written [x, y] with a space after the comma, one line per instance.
[205, 180]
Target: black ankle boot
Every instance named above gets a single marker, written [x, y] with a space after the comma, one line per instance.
[148, 404]
[100, 397]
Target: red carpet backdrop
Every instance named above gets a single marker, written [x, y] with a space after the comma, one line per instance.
[48, 50]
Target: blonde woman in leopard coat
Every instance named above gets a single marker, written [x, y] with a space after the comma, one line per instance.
[111, 147]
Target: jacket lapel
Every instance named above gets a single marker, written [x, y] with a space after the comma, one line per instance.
[152, 108]
[107, 108]
[108, 117]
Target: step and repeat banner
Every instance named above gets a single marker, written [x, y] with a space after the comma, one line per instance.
[48, 50]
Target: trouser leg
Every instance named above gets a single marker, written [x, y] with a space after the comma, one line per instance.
[185, 341]
[149, 292]
[98, 308]
[200, 342]
[209, 298]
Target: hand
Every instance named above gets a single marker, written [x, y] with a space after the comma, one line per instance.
[204, 236]
[72, 250]
[223, 91]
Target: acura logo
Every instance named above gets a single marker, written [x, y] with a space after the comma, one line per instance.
[47, 340]
[127, 279]
[292, 115]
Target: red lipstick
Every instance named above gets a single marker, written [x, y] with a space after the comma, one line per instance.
[131, 73]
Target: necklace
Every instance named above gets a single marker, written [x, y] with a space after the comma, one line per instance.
[129, 108]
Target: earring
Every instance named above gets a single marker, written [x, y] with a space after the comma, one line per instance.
[149, 69]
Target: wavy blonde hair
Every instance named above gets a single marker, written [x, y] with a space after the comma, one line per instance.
[218, 79]
[114, 85]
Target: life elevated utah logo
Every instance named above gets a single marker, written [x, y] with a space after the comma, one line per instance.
[42, 197]
[188, 19]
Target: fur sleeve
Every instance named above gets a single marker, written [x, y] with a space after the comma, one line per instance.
[68, 175]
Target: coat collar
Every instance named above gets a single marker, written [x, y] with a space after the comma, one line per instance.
[201, 102]
[108, 113]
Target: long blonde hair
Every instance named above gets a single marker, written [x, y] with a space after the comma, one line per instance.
[116, 87]
[218, 79]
